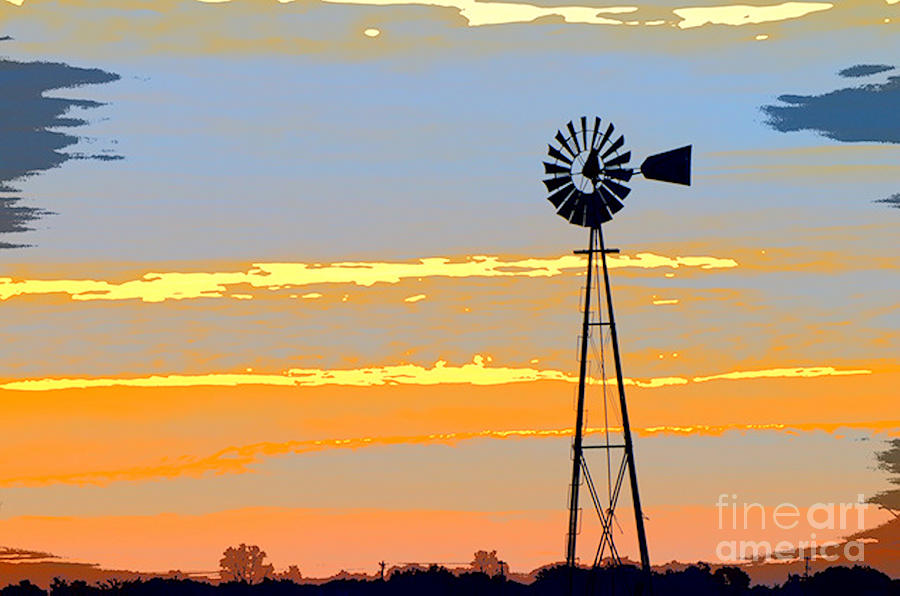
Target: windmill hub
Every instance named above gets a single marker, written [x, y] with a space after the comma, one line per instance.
[582, 176]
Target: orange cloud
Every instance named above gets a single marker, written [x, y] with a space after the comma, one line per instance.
[239, 459]
[145, 431]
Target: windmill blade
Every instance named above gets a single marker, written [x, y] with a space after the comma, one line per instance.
[618, 174]
[579, 214]
[614, 147]
[561, 195]
[555, 154]
[562, 141]
[670, 166]
[584, 131]
[596, 130]
[554, 183]
[606, 136]
[555, 168]
[612, 203]
[618, 161]
[574, 136]
[569, 205]
[597, 212]
[617, 189]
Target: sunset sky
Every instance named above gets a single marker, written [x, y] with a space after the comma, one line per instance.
[311, 295]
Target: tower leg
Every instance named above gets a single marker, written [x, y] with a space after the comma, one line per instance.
[577, 450]
[629, 447]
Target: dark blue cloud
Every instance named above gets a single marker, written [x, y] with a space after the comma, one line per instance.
[893, 200]
[27, 146]
[864, 70]
[853, 114]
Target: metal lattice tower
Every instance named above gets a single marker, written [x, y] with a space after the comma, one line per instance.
[587, 186]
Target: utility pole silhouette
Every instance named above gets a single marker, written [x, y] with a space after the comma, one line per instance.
[382, 564]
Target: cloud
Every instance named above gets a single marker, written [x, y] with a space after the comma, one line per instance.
[864, 70]
[853, 114]
[893, 200]
[478, 14]
[240, 459]
[476, 372]
[17, 555]
[773, 373]
[158, 287]
[28, 145]
[741, 14]
[15, 218]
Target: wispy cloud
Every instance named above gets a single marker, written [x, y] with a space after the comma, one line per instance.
[775, 373]
[850, 115]
[864, 70]
[32, 142]
[742, 14]
[241, 459]
[476, 372]
[158, 287]
[496, 13]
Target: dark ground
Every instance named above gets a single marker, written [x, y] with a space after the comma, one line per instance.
[697, 579]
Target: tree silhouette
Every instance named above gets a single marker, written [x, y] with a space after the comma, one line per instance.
[889, 461]
[244, 564]
[487, 562]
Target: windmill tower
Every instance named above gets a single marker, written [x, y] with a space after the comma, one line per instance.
[587, 186]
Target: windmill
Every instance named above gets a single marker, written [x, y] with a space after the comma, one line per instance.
[589, 170]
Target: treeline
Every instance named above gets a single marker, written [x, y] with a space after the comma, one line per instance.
[556, 581]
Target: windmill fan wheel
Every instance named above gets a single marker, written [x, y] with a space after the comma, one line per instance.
[588, 172]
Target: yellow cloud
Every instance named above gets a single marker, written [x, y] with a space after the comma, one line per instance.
[742, 14]
[415, 298]
[497, 13]
[772, 373]
[473, 373]
[158, 287]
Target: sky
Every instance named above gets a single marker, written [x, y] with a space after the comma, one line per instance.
[283, 273]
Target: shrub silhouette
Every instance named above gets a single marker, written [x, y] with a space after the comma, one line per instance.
[23, 588]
